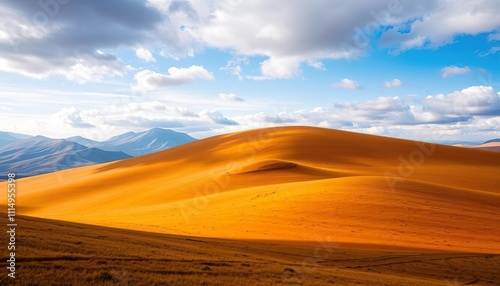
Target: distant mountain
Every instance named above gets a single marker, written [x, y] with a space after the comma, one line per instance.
[83, 141]
[456, 142]
[9, 137]
[141, 143]
[39, 155]
[492, 141]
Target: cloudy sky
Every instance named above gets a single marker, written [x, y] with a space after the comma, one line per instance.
[417, 69]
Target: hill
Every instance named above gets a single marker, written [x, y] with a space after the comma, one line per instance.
[140, 143]
[496, 140]
[290, 183]
[491, 146]
[83, 141]
[9, 137]
[39, 155]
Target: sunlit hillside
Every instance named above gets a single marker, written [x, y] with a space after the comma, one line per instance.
[290, 183]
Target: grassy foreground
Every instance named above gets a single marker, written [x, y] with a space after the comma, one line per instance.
[51, 252]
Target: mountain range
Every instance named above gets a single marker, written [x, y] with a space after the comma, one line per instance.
[27, 155]
[40, 155]
[137, 144]
[9, 137]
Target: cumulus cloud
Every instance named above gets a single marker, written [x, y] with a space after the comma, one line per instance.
[303, 32]
[393, 83]
[307, 32]
[467, 107]
[67, 38]
[145, 55]
[75, 39]
[150, 80]
[438, 22]
[459, 106]
[475, 100]
[230, 97]
[142, 115]
[454, 70]
[473, 111]
[73, 118]
[382, 109]
[281, 118]
[348, 84]
[217, 117]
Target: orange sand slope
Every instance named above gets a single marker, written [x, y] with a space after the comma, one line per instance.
[289, 183]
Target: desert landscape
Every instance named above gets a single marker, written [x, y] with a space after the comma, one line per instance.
[231, 142]
[277, 206]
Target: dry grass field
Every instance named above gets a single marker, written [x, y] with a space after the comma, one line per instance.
[252, 207]
[61, 253]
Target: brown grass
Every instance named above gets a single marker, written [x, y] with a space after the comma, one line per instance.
[61, 253]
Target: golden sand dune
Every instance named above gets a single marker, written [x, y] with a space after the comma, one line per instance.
[290, 183]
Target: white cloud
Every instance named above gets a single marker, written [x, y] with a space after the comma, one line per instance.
[150, 80]
[217, 117]
[308, 32]
[316, 64]
[139, 116]
[348, 84]
[68, 37]
[382, 110]
[471, 113]
[303, 32]
[230, 97]
[494, 37]
[72, 117]
[233, 66]
[475, 100]
[491, 51]
[145, 55]
[393, 83]
[281, 67]
[438, 22]
[461, 108]
[454, 70]
[81, 70]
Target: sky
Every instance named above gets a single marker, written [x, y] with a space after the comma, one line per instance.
[416, 69]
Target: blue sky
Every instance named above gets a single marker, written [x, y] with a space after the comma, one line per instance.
[426, 70]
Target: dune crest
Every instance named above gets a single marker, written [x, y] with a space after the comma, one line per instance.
[262, 166]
